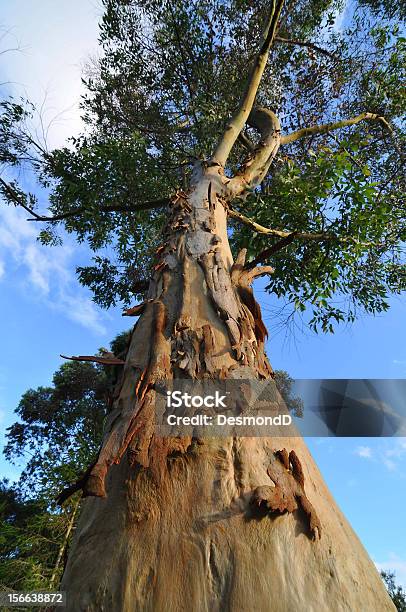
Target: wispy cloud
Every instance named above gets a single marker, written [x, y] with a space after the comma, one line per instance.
[364, 451]
[398, 450]
[45, 274]
[48, 68]
[389, 452]
[400, 365]
[51, 78]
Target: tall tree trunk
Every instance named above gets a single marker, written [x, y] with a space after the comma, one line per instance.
[174, 524]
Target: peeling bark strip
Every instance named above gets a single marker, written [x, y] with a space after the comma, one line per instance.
[200, 313]
[288, 494]
[135, 311]
[108, 360]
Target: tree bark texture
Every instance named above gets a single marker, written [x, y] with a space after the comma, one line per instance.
[213, 524]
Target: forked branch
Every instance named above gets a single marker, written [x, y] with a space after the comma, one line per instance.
[257, 165]
[239, 118]
[287, 237]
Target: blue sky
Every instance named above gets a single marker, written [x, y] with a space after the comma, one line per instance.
[44, 312]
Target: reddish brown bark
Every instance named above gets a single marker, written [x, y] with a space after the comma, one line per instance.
[169, 524]
[200, 305]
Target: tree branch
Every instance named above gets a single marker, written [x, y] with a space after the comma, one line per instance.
[257, 165]
[266, 253]
[288, 236]
[113, 208]
[113, 360]
[303, 43]
[238, 119]
[14, 196]
[17, 199]
[246, 142]
[274, 232]
[328, 127]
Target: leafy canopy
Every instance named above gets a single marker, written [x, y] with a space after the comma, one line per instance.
[169, 76]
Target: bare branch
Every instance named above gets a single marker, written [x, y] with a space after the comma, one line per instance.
[246, 142]
[304, 43]
[278, 246]
[76, 486]
[238, 119]
[135, 311]
[328, 127]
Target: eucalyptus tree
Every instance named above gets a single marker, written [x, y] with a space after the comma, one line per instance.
[224, 141]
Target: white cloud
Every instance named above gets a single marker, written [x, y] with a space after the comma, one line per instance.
[389, 452]
[389, 464]
[398, 450]
[54, 43]
[395, 564]
[394, 457]
[45, 273]
[364, 451]
[83, 311]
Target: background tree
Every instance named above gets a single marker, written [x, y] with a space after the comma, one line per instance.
[58, 433]
[34, 539]
[179, 141]
[395, 591]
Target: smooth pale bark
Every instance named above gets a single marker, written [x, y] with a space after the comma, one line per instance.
[189, 544]
[176, 530]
